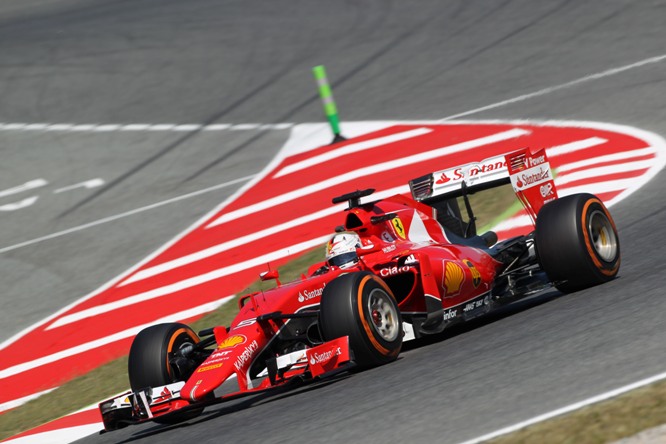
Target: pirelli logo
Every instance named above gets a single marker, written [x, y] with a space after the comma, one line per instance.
[208, 367]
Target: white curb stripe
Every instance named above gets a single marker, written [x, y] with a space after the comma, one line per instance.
[624, 155]
[604, 171]
[188, 283]
[352, 148]
[237, 242]
[20, 401]
[366, 171]
[575, 146]
[60, 436]
[216, 249]
[31, 365]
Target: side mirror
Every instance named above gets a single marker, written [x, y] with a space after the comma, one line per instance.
[270, 275]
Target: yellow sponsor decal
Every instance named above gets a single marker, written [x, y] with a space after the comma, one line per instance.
[454, 276]
[476, 276]
[232, 341]
[208, 367]
[399, 228]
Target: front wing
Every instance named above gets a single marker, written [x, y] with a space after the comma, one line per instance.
[134, 407]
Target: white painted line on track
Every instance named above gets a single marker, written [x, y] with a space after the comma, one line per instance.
[84, 127]
[20, 204]
[162, 127]
[189, 313]
[58, 127]
[14, 126]
[278, 126]
[568, 409]
[366, 171]
[92, 183]
[30, 185]
[129, 127]
[352, 148]
[187, 128]
[216, 127]
[561, 86]
[122, 215]
[189, 282]
[106, 128]
[36, 126]
[244, 126]
[135, 127]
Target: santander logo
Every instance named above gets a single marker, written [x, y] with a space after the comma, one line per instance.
[319, 358]
[442, 179]
[306, 295]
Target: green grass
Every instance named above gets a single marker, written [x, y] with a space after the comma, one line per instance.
[492, 206]
[604, 422]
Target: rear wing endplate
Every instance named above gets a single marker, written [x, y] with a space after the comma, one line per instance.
[528, 172]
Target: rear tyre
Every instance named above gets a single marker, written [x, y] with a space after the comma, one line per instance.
[577, 243]
[360, 305]
[149, 361]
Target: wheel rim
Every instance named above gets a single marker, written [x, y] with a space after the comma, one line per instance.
[602, 235]
[383, 315]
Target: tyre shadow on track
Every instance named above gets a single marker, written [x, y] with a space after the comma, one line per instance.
[498, 314]
[238, 405]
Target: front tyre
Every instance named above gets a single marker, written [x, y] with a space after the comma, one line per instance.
[577, 242]
[360, 305]
[150, 361]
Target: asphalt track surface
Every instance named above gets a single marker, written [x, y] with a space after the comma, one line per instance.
[207, 62]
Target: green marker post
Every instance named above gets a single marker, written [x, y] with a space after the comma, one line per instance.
[327, 100]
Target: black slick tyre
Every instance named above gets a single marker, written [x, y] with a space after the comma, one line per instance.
[149, 361]
[577, 243]
[360, 305]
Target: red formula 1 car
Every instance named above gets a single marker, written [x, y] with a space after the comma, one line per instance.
[396, 270]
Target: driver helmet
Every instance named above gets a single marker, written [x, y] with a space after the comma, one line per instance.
[341, 250]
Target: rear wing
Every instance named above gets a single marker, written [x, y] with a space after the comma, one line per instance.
[528, 172]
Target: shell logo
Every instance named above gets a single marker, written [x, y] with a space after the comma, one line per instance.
[232, 341]
[454, 276]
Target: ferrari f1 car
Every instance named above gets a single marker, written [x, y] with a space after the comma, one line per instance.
[398, 269]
